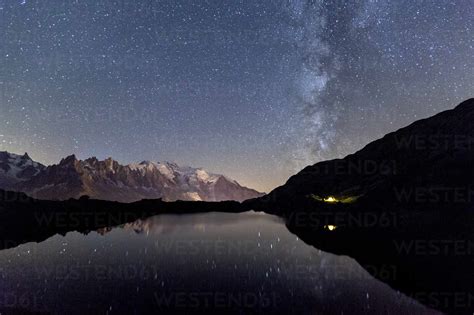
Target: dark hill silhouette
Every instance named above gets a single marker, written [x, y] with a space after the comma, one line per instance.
[429, 162]
[402, 207]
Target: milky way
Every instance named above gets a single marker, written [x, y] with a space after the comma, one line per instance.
[252, 89]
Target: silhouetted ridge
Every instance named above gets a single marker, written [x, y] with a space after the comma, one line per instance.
[432, 153]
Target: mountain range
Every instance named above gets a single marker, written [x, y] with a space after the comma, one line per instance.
[430, 159]
[109, 180]
[17, 168]
[421, 176]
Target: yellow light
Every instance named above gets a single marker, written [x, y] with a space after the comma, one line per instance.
[330, 227]
[330, 199]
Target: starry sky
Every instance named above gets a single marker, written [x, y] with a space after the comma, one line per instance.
[255, 90]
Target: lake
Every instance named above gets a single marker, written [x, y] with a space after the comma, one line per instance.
[197, 263]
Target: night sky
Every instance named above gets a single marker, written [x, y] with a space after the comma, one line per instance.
[255, 90]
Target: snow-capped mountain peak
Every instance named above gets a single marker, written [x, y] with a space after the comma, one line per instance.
[109, 180]
[16, 168]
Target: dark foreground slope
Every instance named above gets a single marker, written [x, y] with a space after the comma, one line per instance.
[425, 165]
[403, 207]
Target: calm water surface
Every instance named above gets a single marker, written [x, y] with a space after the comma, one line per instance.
[216, 262]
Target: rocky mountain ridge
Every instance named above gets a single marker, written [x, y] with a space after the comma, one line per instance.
[17, 168]
[109, 180]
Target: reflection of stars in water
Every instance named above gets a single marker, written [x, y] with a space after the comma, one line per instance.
[300, 277]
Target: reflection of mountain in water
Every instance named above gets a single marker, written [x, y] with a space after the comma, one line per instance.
[434, 268]
[435, 279]
[25, 219]
[247, 257]
[163, 224]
